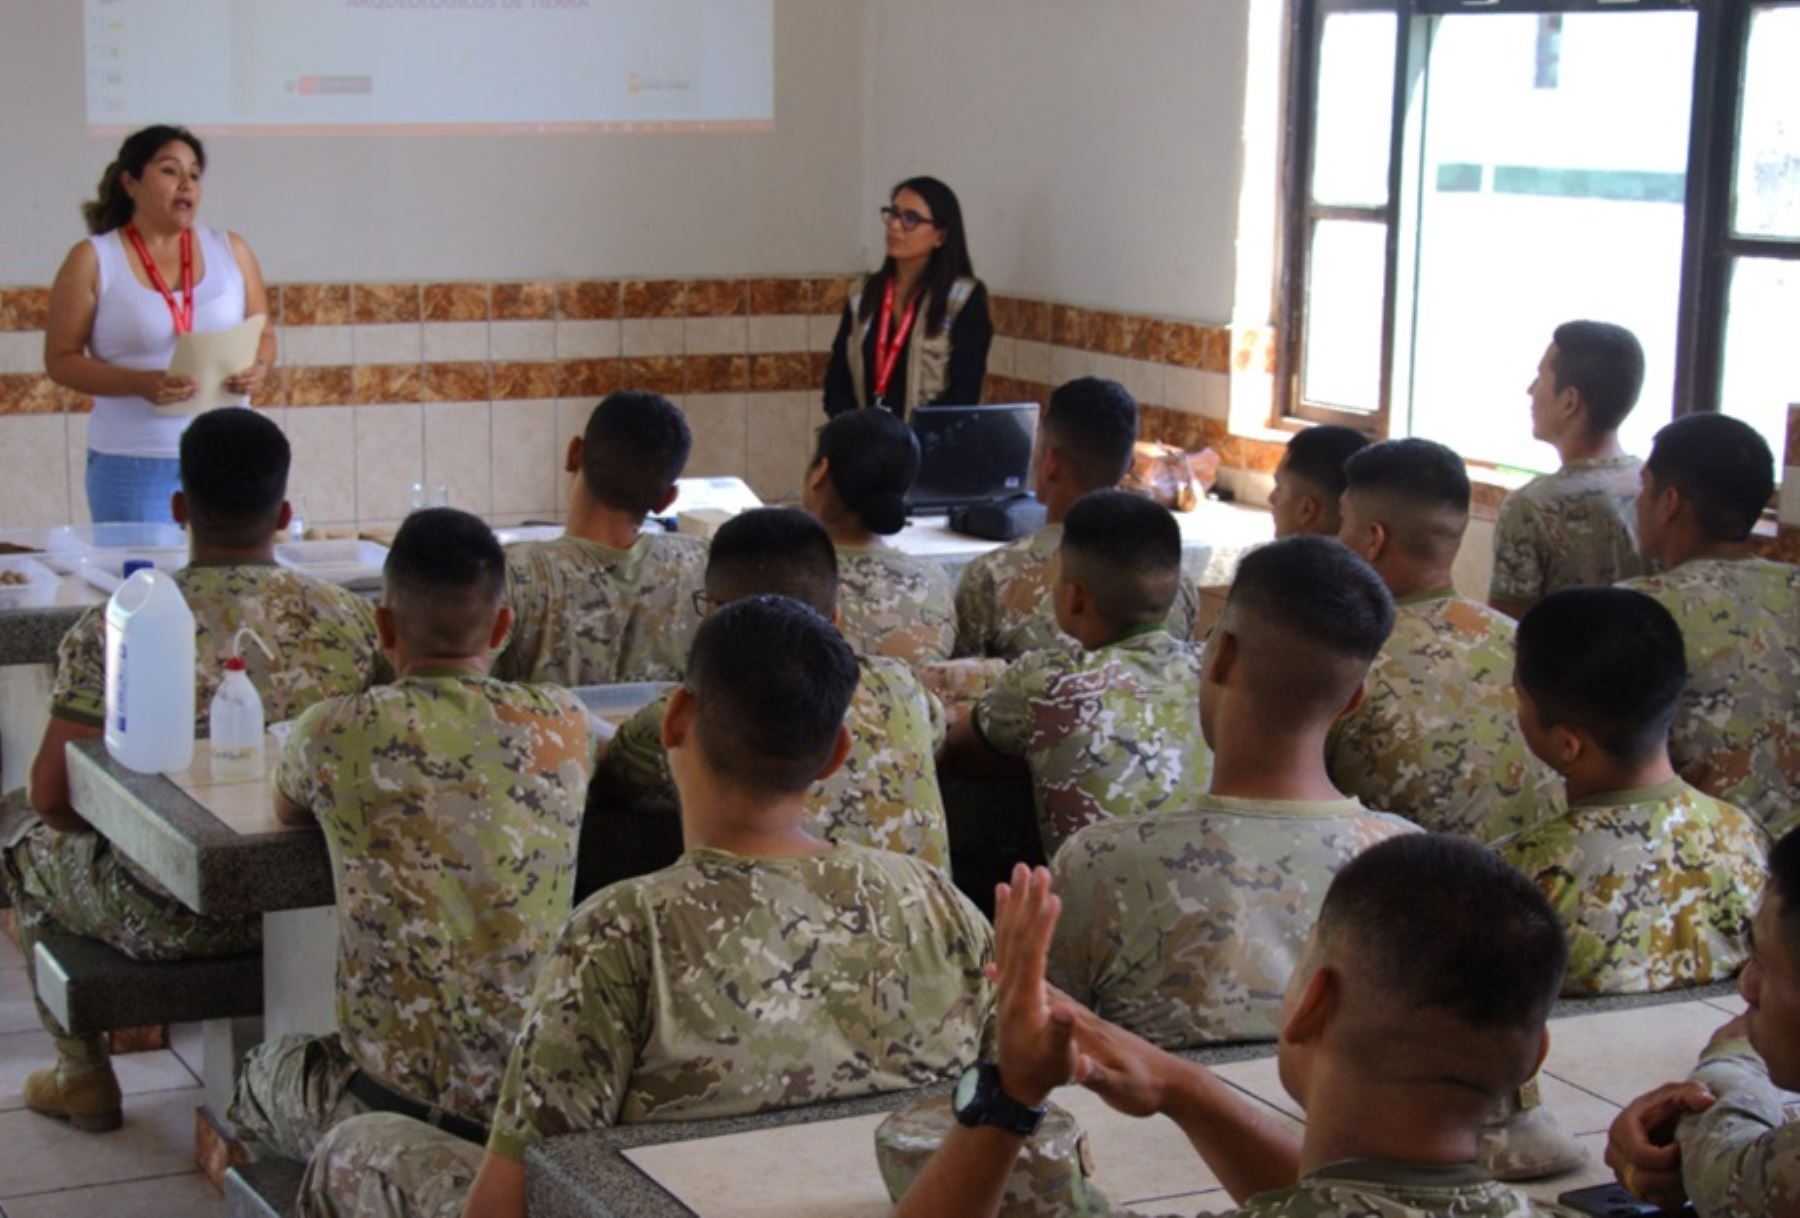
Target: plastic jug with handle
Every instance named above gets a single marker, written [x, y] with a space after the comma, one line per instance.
[150, 675]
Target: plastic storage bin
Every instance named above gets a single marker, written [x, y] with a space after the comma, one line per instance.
[26, 583]
[337, 562]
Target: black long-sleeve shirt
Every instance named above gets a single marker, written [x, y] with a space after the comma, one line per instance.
[971, 333]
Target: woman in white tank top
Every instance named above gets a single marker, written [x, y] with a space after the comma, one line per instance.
[149, 272]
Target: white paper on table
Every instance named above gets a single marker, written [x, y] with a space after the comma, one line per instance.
[212, 359]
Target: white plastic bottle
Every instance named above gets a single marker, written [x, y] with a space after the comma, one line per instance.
[237, 725]
[150, 675]
[235, 719]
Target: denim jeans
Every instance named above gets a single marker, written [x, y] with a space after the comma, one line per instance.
[134, 489]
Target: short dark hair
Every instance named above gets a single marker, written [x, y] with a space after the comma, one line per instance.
[1442, 923]
[773, 551]
[635, 447]
[1605, 365]
[1312, 615]
[1609, 661]
[234, 472]
[1318, 455]
[443, 580]
[1125, 550]
[873, 458]
[771, 679]
[1722, 466]
[1092, 423]
[1426, 481]
[1784, 881]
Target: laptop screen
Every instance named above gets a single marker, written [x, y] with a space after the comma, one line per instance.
[971, 454]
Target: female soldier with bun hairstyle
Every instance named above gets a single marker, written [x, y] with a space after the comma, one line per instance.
[892, 604]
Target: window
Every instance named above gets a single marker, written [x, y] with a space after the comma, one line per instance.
[1470, 173]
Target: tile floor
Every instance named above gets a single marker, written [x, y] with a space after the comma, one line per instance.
[145, 1170]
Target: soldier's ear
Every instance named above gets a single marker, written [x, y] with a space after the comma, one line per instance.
[678, 719]
[1310, 1012]
[840, 750]
[1355, 700]
[1221, 657]
[572, 458]
[502, 627]
[384, 628]
[178, 508]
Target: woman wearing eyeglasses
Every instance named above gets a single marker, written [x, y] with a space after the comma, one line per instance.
[916, 332]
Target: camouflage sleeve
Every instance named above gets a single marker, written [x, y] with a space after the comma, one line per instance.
[525, 596]
[940, 724]
[572, 1062]
[975, 609]
[1741, 1157]
[1072, 967]
[78, 692]
[299, 775]
[1518, 552]
[635, 762]
[1184, 615]
[1003, 716]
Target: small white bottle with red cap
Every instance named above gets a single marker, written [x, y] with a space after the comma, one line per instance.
[236, 719]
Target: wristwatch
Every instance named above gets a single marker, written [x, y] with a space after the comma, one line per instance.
[978, 1100]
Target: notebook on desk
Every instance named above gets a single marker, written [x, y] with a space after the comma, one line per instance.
[972, 454]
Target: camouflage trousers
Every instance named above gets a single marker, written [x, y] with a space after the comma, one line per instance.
[77, 884]
[290, 1091]
[383, 1165]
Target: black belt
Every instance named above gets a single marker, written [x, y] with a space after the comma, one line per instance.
[382, 1098]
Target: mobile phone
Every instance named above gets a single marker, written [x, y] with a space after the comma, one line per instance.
[1612, 1201]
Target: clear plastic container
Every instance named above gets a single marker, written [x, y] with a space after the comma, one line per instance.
[150, 675]
[337, 562]
[235, 722]
[26, 583]
[65, 545]
[105, 569]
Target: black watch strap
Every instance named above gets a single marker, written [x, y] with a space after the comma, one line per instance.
[990, 1106]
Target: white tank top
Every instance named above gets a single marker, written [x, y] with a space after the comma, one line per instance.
[133, 329]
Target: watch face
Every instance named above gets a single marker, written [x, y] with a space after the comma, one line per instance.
[965, 1089]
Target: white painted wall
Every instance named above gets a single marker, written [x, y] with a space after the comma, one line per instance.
[1097, 147]
[438, 208]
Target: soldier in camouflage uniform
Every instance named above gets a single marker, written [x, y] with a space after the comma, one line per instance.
[892, 604]
[1575, 527]
[1737, 735]
[1112, 729]
[611, 601]
[1185, 926]
[886, 794]
[766, 968]
[62, 875]
[1084, 444]
[1725, 1137]
[451, 803]
[1654, 880]
[1437, 739]
[1421, 1001]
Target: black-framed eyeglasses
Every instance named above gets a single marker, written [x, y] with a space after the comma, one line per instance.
[704, 604]
[905, 217]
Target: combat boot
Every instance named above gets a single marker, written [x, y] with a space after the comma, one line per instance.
[1524, 1141]
[80, 1088]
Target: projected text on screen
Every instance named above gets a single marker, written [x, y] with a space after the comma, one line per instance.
[376, 66]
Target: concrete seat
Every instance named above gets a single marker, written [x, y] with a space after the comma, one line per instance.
[91, 988]
[268, 1189]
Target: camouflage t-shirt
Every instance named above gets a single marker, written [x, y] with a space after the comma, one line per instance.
[884, 796]
[1737, 734]
[726, 985]
[1003, 603]
[323, 638]
[1655, 886]
[1109, 732]
[1576, 528]
[1741, 1157]
[451, 804]
[1185, 927]
[895, 605]
[1437, 738]
[1393, 1190]
[588, 614]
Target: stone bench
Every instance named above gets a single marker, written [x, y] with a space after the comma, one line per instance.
[92, 988]
[268, 1189]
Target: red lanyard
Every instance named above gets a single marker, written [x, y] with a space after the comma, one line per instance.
[887, 348]
[183, 313]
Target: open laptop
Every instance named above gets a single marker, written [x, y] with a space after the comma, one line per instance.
[972, 454]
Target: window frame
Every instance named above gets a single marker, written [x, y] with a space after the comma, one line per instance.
[1710, 246]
